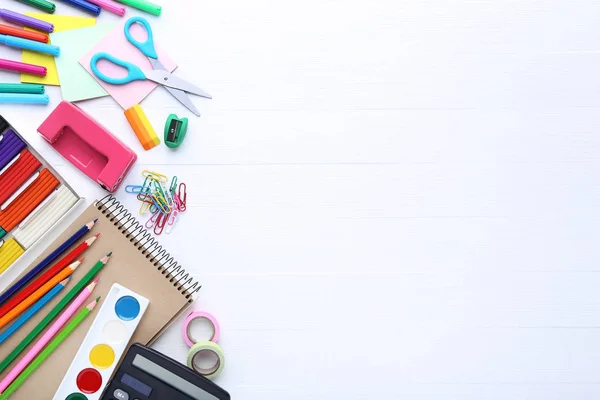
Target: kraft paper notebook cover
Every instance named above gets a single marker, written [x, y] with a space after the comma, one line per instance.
[138, 263]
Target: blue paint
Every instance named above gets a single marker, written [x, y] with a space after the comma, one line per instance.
[127, 308]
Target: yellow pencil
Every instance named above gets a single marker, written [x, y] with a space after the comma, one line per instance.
[35, 296]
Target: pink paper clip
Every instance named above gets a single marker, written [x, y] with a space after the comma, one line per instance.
[182, 196]
[152, 220]
[160, 223]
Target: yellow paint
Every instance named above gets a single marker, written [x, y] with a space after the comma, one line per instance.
[102, 356]
[61, 23]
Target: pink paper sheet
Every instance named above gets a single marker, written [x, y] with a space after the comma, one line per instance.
[116, 44]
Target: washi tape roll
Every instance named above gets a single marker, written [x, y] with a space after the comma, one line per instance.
[202, 348]
[187, 334]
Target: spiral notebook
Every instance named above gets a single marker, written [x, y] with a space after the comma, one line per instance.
[138, 263]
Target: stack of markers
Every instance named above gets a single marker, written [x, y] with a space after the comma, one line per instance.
[164, 205]
[22, 93]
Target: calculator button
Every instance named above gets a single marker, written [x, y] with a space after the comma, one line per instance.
[121, 395]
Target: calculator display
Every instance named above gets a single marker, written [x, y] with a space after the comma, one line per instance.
[171, 379]
[136, 384]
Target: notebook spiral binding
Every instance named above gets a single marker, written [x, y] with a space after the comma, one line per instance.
[135, 231]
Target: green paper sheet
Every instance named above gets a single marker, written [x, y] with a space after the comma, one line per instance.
[75, 82]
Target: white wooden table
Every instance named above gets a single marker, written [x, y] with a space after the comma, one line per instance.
[390, 199]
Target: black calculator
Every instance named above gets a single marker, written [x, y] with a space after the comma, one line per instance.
[146, 374]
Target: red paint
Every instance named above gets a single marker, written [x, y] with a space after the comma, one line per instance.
[89, 381]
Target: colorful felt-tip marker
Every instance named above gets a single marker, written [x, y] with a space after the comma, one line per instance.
[30, 88]
[84, 5]
[17, 66]
[22, 33]
[43, 5]
[143, 5]
[29, 45]
[24, 98]
[109, 6]
[20, 19]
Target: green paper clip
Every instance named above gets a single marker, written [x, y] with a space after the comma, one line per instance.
[175, 129]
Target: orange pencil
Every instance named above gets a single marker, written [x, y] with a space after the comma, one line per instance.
[39, 282]
[35, 296]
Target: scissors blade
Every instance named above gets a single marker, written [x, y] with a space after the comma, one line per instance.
[175, 82]
[183, 99]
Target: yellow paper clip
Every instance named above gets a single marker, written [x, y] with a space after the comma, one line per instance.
[155, 176]
[161, 203]
[144, 207]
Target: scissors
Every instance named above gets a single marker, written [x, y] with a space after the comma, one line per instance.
[174, 85]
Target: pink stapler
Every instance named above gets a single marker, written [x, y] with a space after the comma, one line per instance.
[87, 145]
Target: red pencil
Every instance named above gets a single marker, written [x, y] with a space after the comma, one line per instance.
[39, 282]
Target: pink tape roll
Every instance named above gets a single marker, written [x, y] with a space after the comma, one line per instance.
[187, 335]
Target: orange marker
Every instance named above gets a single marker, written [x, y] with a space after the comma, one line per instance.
[22, 33]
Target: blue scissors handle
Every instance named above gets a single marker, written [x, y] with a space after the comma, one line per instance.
[134, 73]
[146, 47]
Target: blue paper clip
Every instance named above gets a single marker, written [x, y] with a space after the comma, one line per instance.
[136, 189]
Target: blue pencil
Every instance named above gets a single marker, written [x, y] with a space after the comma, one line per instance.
[45, 262]
[32, 310]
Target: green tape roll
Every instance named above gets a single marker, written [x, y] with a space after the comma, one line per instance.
[204, 347]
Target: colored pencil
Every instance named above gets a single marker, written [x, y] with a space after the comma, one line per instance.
[33, 310]
[46, 261]
[47, 337]
[54, 312]
[79, 318]
[39, 282]
[35, 296]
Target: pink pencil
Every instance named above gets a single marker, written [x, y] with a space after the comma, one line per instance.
[22, 67]
[110, 6]
[44, 340]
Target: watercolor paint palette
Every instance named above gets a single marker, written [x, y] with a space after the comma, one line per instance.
[103, 345]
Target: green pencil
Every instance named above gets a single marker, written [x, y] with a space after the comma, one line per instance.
[48, 350]
[55, 311]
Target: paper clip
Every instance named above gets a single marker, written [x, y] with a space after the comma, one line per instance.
[171, 222]
[161, 203]
[182, 194]
[144, 193]
[152, 220]
[145, 207]
[160, 223]
[136, 189]
[173, 186]
[167, 194]
[155, 176]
